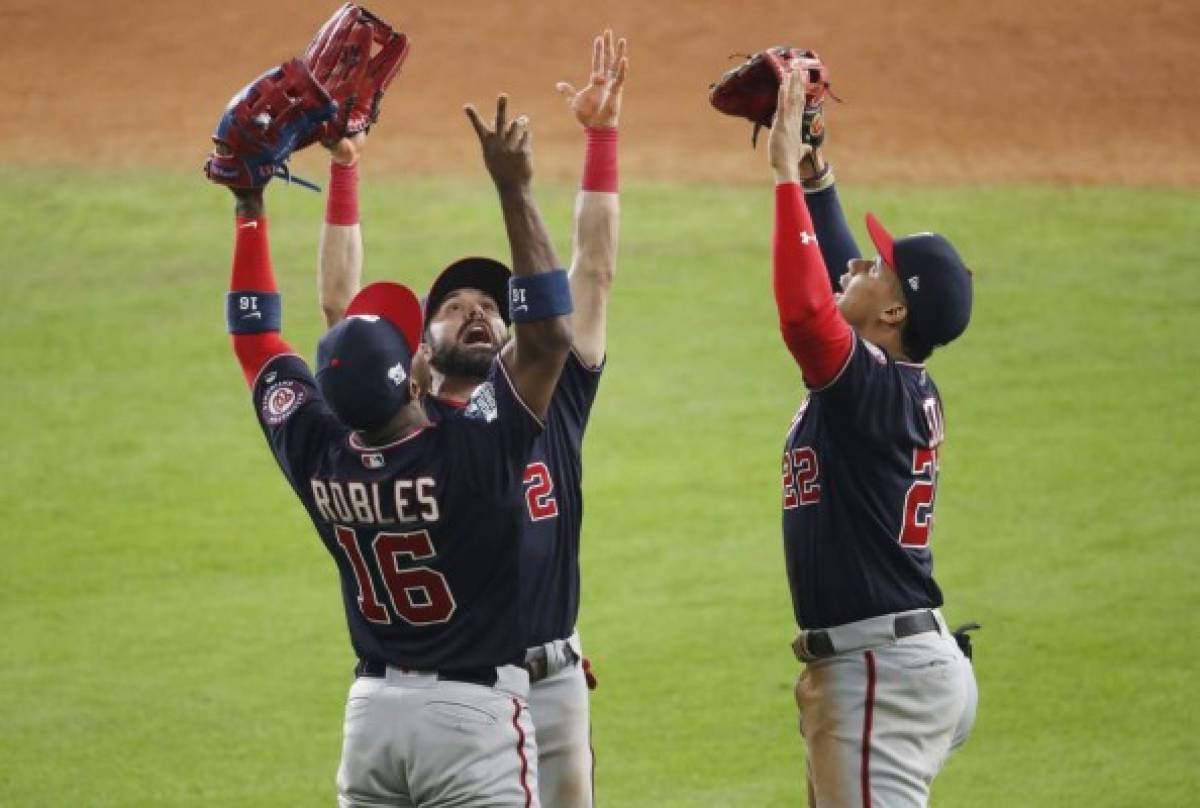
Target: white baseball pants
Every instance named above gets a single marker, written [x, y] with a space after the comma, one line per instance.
[559, 706]
[414, 740]
[880, 721]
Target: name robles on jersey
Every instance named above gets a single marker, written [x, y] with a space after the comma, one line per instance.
[424, 530]
[409, 501]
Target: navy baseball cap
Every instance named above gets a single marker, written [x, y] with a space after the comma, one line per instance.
[485, 274]
[364, 362]
[936, 283]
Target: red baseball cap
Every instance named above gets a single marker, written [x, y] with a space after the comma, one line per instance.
[364, 361]
[395, 303]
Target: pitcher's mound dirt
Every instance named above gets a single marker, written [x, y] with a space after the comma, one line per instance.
[936, 91]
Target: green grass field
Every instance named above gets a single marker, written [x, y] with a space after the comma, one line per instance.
[172, 633]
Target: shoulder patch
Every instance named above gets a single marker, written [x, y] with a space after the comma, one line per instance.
[482, 404]
[876, 352]
[281, 400]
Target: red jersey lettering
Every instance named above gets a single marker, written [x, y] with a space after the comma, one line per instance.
[539, 492]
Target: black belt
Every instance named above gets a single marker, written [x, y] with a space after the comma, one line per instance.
[481, 675]
[820, 645]
[537, 666]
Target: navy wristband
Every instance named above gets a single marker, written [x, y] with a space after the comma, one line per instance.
[539, 297]
[253, 312]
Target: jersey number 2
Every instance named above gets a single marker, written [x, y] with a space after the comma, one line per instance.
[918, 502]
[800, 472]
[539, 495]
[419, 595]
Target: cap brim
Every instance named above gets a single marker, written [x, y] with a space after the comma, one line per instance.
[485, 274]
[395, 303]
[884, 243]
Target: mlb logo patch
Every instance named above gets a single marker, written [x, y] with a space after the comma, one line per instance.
[373, 460]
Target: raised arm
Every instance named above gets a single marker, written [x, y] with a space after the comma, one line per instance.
[813, 329]
[837, 244]
[540, 303]
[597, 207]
[340, 257]
[253, 308]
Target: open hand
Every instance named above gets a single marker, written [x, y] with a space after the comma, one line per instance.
[599, 103]
[786, 146]
[507, 151]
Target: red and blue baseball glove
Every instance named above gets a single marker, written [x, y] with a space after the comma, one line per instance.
[354, 56]
[264, 123]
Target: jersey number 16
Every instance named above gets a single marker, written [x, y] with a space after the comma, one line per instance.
[418, 595]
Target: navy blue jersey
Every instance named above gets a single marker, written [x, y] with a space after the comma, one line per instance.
[424, 531]
[553, 512]
[859, 480]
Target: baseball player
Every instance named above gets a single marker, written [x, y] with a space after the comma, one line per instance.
[422, 519]
[466, 326]
[886, 692]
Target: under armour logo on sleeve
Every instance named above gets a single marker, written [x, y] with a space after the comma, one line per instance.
[807, 238]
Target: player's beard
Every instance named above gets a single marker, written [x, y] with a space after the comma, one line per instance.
[462, 361]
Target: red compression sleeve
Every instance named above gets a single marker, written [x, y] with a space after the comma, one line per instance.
[600, 161]
[252, 273]
[341, 206]
[814, 330]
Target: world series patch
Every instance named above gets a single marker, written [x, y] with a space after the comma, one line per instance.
[482, 405]
[281, 400]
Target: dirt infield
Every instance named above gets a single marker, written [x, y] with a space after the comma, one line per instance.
[936, 91]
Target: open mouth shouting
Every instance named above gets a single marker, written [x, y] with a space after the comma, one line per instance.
[476, 332]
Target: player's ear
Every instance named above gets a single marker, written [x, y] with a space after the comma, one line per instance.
[895, 314]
